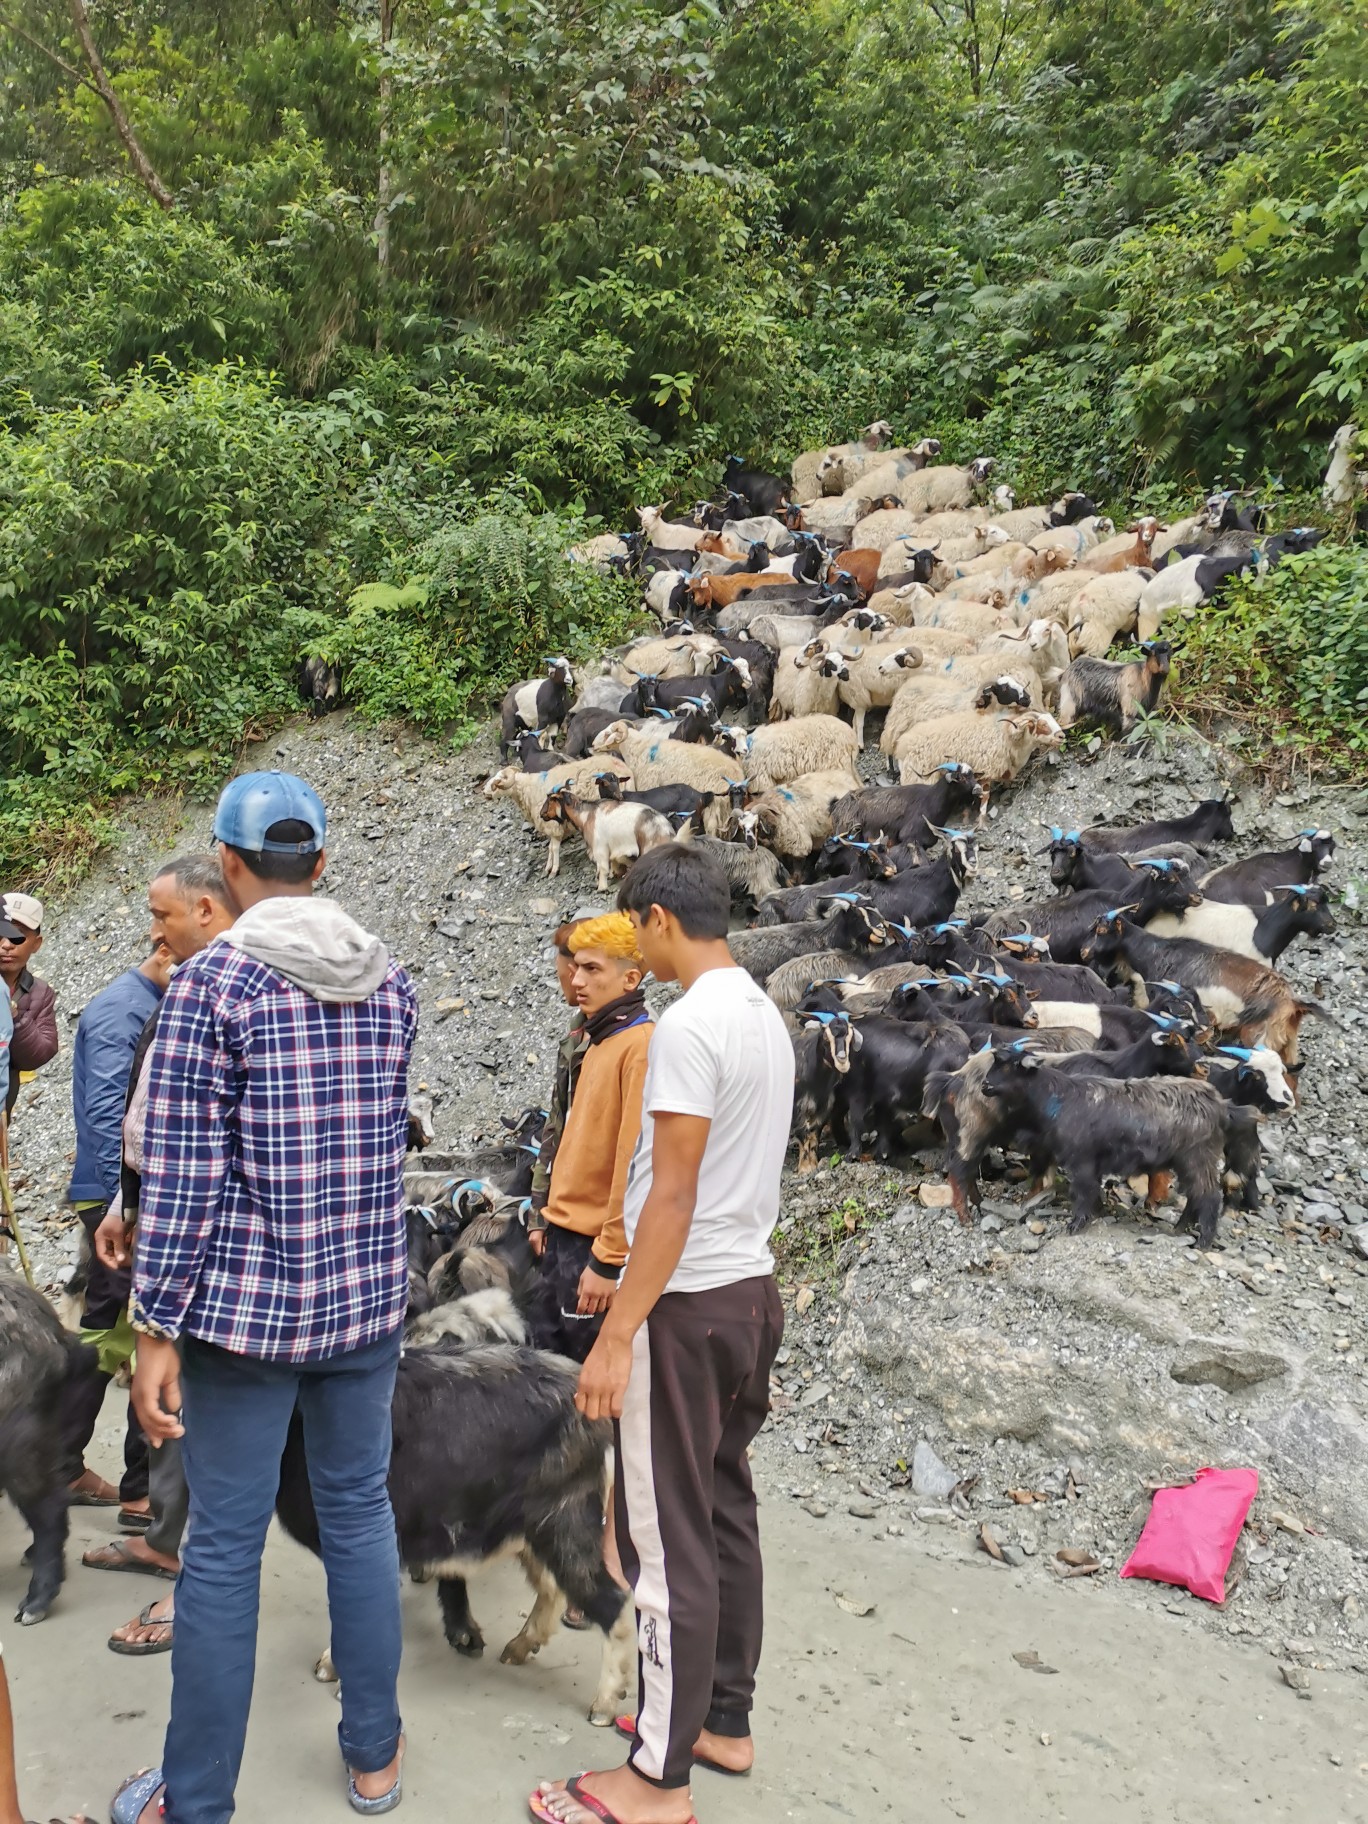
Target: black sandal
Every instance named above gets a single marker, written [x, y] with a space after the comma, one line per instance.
[143, 1649]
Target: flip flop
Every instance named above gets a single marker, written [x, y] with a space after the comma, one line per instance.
[119, 1558]
[626, 1728]
[131, 1799]
[536, 1804]
[143, 1649]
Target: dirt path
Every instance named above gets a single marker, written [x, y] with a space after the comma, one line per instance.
[916, 1711]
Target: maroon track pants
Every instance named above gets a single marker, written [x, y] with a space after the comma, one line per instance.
[686, 1520]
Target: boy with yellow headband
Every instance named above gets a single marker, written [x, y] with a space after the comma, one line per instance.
[585, 1244]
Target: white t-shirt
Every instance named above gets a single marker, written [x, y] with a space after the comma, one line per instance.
[722, 1050]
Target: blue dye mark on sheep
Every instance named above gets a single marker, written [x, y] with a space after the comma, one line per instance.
[1053, 1106]
[653, 753]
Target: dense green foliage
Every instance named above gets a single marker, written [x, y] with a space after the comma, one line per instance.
[446, 279]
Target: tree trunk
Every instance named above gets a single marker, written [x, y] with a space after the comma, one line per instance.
[141, 163]
[383, 182]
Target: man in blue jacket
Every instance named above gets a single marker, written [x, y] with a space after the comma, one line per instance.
[105, 1042]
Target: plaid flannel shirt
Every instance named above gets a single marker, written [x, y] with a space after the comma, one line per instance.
[271, 1220]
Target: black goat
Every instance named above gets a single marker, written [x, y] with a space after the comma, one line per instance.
[1093, 1128]
[46, 1375]
[1114, 692]
[1208, 823]
[1160, 1053]
[490, 1455]
[584, 728]
[884, 1086]
[1241, 995]
[533, 757]
[728, 683]
[542, 703]
[1074, 863]
[1252, 882]
[669, 800]
[762, 492]
[821, 1058]
[867, 862]
[910, 813]
[930, 893]
[1069, 922]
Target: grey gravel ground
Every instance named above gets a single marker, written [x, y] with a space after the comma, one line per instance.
[1076, 1369]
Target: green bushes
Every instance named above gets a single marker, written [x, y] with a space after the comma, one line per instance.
[1287, 656]
[486, 602]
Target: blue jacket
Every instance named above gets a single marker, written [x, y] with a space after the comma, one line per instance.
[106, 1039]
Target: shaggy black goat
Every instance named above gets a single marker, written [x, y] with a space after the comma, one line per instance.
[44, 1371]
[1091, 1128]
[910, 813]
[1253, 881]
[762, 492]
[1069, 922]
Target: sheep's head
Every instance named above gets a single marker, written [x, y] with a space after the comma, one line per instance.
[611, 737]
[903, 658]
[833, 665]
[1055, 559]
[559, 671]
[922, 563]
[876, 435]
[980, 469]
[928, 447]
[502, 781]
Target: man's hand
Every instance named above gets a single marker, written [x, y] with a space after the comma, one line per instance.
[603, 1379]
[156, 1390]
[112, 1241]
[536, 1240]
[596, 1292]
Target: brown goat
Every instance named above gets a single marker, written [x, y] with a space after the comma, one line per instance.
[862, 566]
[1139, 556]
[722, 591]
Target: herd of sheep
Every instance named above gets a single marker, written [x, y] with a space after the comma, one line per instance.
[878, 582]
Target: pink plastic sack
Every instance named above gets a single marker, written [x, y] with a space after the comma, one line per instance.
[1191, 1532]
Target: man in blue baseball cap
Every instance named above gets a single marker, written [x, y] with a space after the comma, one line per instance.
[271, 1272]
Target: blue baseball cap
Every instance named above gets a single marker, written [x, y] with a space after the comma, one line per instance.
[252, 802]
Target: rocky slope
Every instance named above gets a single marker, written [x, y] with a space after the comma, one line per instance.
[1071, 1369]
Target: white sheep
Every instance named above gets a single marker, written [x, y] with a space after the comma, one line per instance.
[785, 750]
[873, 678]
[806, 681]
[834, 519]
[888, 526]
[995, 556]
[795, 819]
[782, 630]
[738, 535]
[655, 759]
[1179, 532]
[807, 484]
[935, 643]
[1085, 535]
[1051, 598]
[1022, 522]
[529, 792]
[597, 551]
[899, 605]
[971, 619]
[615, 834]
[685, 655]
[995, 744]
[946, 684]
[1042, 644]
[1106, 607]
[940, 489]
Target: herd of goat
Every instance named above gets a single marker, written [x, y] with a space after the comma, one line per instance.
[1129, 1022]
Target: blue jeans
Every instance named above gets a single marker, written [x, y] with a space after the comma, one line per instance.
[237, 1416]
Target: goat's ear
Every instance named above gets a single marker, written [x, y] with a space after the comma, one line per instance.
[856, 1038]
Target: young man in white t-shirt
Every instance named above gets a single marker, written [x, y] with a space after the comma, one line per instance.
[684, 1357]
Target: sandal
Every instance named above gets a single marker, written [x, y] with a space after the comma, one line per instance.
[134, 1520]
[133, 1797]
[116, 1556]
[626, 1728]
[99, 1494]
[575, 1787]
[388, 1801]
[143, 1649]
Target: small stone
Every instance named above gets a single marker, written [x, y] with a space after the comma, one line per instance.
[1031, 1244]
[863, 1510]
[544, 908]
[1355, 1213]
[816, 1509]
[1014, 1556]
[1322, 1212]
[991, 1224]
[935, 1196]
[929, 1475]
[1289, 1523]
[814, 1395]
[1298, 1678]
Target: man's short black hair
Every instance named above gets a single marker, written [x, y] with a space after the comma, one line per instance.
[684, 881]
[284, 870]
